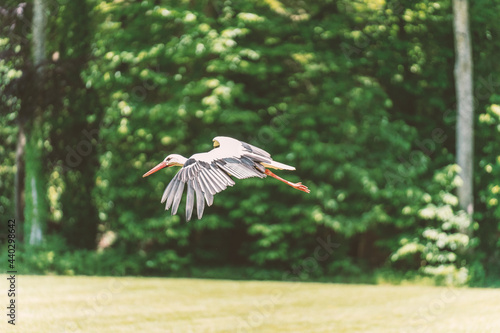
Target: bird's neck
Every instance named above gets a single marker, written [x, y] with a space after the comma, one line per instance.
[181, 160]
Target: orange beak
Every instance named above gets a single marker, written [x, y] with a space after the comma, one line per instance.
[156, 168]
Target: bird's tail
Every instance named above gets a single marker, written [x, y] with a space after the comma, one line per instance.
[278, 165]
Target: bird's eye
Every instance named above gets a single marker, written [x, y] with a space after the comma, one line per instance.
[216, 144]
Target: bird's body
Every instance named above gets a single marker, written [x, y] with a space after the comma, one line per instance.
[207, 174]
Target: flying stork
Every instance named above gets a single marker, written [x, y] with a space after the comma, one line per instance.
[209, 173]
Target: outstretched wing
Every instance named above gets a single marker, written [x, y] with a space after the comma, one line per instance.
[205, 179]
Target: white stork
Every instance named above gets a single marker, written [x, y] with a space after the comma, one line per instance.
[209, 173]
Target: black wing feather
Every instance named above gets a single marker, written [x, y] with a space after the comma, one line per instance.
[167, 191]
[189, 200]
[177, 197]
[209, 198]
[205, 184]
[199, 199]
[171, 194]
[255, 150]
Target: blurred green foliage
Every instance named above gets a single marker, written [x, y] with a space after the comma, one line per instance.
[357, 95]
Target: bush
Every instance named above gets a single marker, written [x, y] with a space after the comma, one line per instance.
[441, 232]
[54, 257]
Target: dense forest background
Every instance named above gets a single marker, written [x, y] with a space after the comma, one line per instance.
[358, 95]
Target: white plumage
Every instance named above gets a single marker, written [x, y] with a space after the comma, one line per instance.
[207, 174]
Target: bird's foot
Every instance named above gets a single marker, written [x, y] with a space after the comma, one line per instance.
[301, 187]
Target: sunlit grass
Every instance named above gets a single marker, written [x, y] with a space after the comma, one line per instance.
[107, 304]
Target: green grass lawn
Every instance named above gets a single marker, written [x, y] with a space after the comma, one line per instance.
[107, 304]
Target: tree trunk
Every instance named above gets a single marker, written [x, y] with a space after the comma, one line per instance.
[19, 179]
[35, 196]
[78, 137]
[465, 106]
[35, 189]
[39, 27]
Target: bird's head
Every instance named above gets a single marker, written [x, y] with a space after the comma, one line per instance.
[170, 160]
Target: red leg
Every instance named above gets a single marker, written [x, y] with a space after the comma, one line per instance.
[298, 186]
